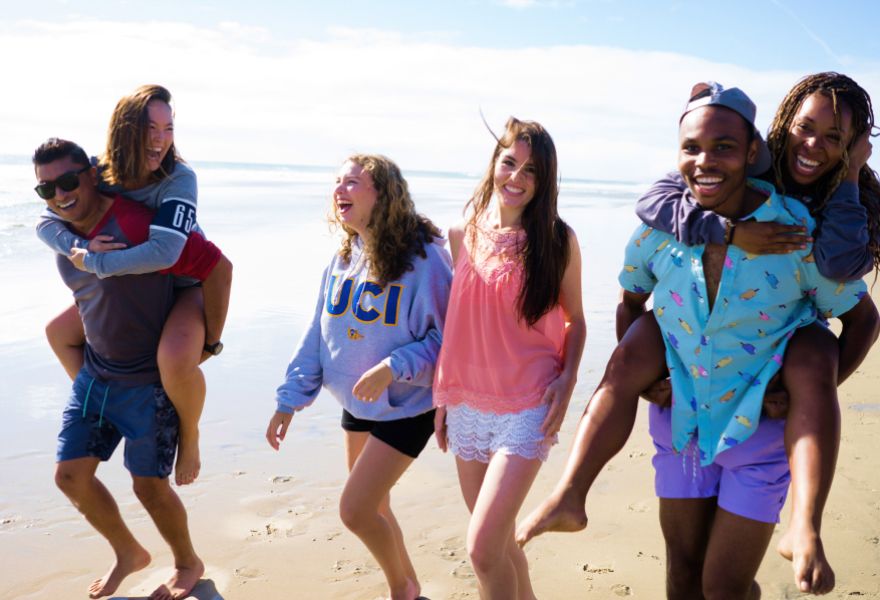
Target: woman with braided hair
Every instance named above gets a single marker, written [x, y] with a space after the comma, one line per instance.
[819, 141]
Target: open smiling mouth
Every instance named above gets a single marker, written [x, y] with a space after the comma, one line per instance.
[807, 165]
[708, 183]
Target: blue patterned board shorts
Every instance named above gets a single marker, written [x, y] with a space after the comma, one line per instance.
[100, 413]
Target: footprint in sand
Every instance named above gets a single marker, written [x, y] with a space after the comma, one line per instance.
[348, 569]
[638, 507]
[637, 454]
[280, 479]
[463, 571]
[247, 573]
[452, 549]
[621, 590]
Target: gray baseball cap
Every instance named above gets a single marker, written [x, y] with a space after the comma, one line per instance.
[711, 93]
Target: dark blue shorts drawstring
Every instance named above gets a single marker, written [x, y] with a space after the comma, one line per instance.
[103, 402]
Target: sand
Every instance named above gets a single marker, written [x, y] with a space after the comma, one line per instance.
[267, 527]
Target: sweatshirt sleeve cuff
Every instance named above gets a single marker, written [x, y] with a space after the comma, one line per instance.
[395, 373]
[284, 408]
[89, 261]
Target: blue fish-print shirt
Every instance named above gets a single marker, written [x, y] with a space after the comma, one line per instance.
[720, 361]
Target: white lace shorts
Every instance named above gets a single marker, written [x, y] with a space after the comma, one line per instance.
[476, 435]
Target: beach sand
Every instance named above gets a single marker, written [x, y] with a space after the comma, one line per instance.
[267, 526]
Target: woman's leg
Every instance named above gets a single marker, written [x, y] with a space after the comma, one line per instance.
[812, 438]
[180, 351]
[638, 361]
[365, 508]
[67, 340]
[494, 494]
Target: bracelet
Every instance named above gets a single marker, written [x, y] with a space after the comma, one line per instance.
[728, 231]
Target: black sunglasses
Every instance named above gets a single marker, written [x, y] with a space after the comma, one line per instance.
[67, 182]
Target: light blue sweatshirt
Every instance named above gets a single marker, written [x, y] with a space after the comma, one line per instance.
[358, 324]
[174, 201]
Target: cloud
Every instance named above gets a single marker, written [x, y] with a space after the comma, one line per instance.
[243, 95]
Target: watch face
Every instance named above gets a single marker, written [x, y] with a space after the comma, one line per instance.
[215, 348]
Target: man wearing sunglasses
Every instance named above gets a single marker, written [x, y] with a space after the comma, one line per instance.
[721, 470]
[117, 393]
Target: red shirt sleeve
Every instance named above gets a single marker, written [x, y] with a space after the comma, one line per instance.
[198, 259]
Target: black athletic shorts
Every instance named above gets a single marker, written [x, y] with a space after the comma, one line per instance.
[409, 436]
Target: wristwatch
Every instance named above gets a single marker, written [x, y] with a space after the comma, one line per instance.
[214, 349]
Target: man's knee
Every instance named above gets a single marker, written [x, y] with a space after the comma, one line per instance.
[150, 491]
[71, 481]
[683, 576]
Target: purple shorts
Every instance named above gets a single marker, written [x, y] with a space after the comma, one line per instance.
[750, 479]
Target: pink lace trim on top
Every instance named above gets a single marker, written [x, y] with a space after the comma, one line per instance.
[496, 253]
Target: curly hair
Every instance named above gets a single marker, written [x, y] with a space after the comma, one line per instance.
[124, 158]
[839, 89]
[546, 253]
[397, 231]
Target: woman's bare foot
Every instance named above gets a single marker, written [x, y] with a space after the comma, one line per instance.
[181, 583]
[188, 462]
[126, 564]
[556, 513]
[812, 571]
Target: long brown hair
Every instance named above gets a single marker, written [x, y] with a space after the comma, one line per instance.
[124, 158]
[546, 252]
[397, 231]
[839, 89]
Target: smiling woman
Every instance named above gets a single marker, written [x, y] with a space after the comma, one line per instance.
[372, 343]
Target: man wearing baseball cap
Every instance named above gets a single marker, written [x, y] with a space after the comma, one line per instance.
[721, 471]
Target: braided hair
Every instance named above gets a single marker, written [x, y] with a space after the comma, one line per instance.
[839, 89]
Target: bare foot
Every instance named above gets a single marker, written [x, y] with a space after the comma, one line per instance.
[812, 572]
[188, 460]
[181, 583]
[125, 565]
[556, 513]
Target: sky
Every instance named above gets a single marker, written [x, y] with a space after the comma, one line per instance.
[312, 82]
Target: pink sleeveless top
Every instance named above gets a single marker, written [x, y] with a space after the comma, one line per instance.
[490, 359]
